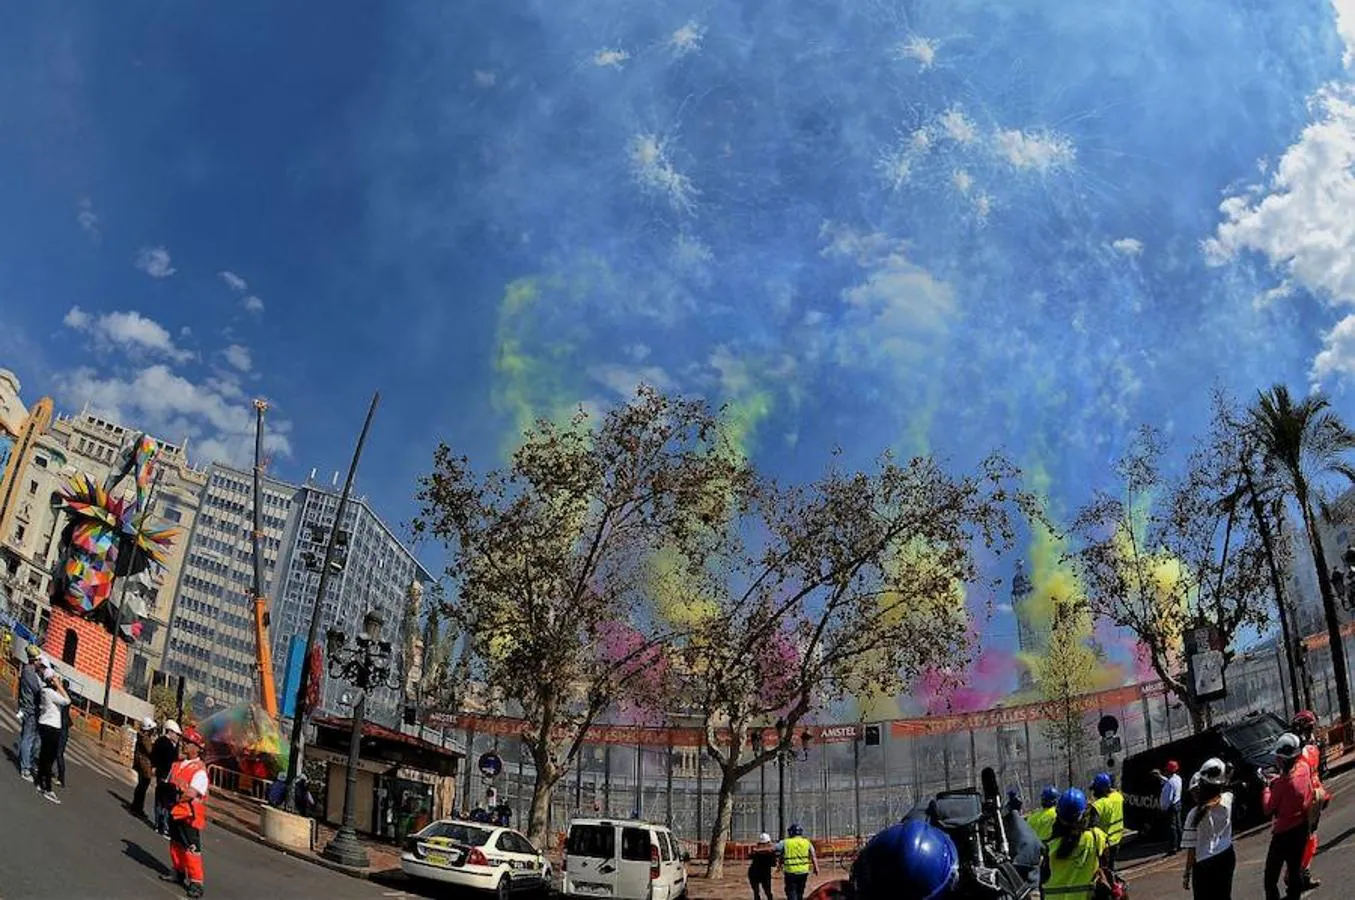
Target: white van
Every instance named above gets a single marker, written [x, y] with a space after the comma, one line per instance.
[623, 860]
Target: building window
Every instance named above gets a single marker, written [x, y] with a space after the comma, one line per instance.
[19, 532]
[32, 487]
[69, 647]
[40, 462]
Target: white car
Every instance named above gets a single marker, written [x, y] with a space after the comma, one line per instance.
[623, 860]
[476, 855]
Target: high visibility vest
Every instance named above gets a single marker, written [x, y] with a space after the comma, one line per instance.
[796, 853]
[192, 811]
[1074, 875]
[1110, 816]
[1041, 821]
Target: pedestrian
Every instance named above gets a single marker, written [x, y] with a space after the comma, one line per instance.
[164, 754]
[1076, 850]
[188, 815]
[1208, 836]
[1041, 820]
[1109, 809]
[143, 766]
[761, 862]
[1304, 728]
[797, 861]
[1288, 796]
[30, 702]
[54, 697]
[1169, 804]
[64, 738]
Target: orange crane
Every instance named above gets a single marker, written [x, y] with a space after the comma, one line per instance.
[263, 653]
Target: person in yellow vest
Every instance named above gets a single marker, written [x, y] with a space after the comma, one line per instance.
[797, 861]
[1041, 821]
[188, 815]
[1109, 808]
[1075, 853]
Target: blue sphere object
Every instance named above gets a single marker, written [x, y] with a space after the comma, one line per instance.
[912, 859]
[1072, 806]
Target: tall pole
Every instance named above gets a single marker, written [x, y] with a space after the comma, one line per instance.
[122, 602]
[301, 713]
[263, 653]
[345, 847]
[780, 794]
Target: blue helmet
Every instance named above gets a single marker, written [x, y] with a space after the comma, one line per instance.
[1101, 784]
[913, 859]
[1049, 796]
[795, 830]
[1072, 806]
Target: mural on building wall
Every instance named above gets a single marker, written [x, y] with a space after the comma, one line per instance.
[109, 537]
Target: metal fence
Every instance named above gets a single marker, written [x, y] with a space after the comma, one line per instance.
[850, 789]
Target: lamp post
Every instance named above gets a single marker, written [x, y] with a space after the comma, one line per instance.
[366, 664]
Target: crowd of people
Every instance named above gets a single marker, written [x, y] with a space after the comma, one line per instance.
[44, 724]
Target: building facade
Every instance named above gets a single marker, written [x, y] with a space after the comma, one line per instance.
[376, 573]
[211, 638]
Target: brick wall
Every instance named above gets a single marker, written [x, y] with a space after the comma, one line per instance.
[91, 649]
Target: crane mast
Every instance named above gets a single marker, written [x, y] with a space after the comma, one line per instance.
[263, 654]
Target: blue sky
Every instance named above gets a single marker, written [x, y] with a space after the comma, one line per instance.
[932, 226]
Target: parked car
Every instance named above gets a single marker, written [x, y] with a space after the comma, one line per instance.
[476, 855]
[623, 860]
[1245, 745]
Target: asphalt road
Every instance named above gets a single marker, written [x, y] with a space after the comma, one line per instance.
[90, 848]
[1334, 865]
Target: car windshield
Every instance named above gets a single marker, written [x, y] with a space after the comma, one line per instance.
[596, 841]
[459, 832]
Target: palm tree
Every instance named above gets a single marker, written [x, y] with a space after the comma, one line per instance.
[1301, 442]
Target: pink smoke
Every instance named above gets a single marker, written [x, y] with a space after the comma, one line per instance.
[778, 663]
[645, 668]
[981, 685]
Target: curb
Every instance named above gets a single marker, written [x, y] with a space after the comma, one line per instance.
[351, 872]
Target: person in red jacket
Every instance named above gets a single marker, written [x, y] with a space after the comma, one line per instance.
[1288, 797]
[188, 815]
[1304, 728]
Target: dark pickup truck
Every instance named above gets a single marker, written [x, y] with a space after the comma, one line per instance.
[1245, 745]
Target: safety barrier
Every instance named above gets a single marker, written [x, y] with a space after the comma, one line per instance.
[238, 782]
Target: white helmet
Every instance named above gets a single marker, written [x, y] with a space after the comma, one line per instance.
[1287, 747]
[1213, 772]
[172, 727]
[147, 723]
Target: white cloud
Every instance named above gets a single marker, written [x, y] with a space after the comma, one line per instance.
[485, 78]
[1128, 246]
[253, 304]
[129, 331]
[88, 219]
[215, 415]
[238, 357]
[962, 180]
[613, 58]
[958, 127]
[154, 261]
[1345, 27]
[1337, 357]
[1038, 150]
[233, 281]
[686, 40]
[920, 49]
[623, 380]
[1301, 222]
[654, 171]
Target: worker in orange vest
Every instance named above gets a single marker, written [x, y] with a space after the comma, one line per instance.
[188, 815]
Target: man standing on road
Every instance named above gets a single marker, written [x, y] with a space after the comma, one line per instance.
[164, 754]
[1169, 801]
[1304, 727]
[1109, 807]
[797, 861]
[1288, 797]
[188, 816]
[30, 702]
[143, 766]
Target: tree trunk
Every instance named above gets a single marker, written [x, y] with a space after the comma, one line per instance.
[1338, 651]
[724, 815]
[538, 819]
[1276, 583]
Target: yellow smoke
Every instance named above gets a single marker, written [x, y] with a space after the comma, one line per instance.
[678, 603]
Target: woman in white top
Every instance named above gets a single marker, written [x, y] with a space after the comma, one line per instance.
[54, 697]
[1208, 837]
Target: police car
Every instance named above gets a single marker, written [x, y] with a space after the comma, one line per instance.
[476, 855]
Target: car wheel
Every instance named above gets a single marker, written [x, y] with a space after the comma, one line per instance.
[505, 889]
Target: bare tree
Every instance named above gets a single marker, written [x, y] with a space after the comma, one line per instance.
[1170, 555]
[850, 585]
[551, 551]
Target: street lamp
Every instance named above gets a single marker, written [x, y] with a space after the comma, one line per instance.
[365, 665]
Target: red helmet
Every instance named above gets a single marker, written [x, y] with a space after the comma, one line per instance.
[193, 736]
[1304, 718]
[1173, 767]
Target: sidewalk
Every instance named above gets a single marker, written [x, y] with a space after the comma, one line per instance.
[240, 815]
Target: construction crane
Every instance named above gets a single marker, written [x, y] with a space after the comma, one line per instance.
[263, 653]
